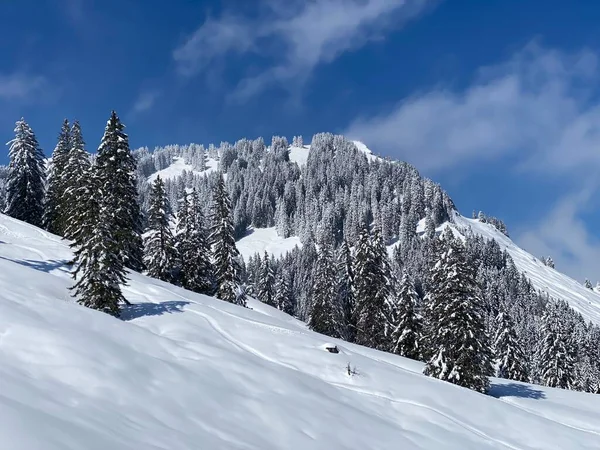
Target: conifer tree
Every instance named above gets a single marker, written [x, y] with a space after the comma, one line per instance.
[283, 293]
[192, 246]
[372, 290]
[266, 282]
[99, 270]
[323, 314]
[115, 168]
[556, 362]
[55, 219]
[225, 253]
[77, 172]
[405, 326]
[159, 246]
[458, 347]
[26, 176]
[345, 299]
[509, 355]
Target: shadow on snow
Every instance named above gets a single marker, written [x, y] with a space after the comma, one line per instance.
[136, 310]
[515, 390]
[42, 266]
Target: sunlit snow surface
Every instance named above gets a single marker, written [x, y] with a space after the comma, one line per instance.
[549, 280]
[186, 371]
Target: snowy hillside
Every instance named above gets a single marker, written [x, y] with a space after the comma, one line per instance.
[549, 280]
[558, 285]
[185, 371]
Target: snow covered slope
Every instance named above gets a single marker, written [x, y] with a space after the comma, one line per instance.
[179, 165]
[556, 284]
[259, 240]
[186, 371]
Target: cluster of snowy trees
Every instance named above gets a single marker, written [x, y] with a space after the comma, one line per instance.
[461, 306]
[94, 202]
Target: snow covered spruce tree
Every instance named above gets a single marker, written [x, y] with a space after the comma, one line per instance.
[99, 269]
[54, 214]
[115, 169]
[160, 255]
[77, 171]
[266, 282]
[458, 347]
[343, 291]
[556, 360]
[405, 323]
[510, 359]
[195, 270]
[283, 292]
[373, 288]
[323, 316]
[225, 253]
[26, 176]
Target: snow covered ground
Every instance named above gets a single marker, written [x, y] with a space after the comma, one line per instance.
[265, 239]
[186, 371]
[549, 280]
[179, 165]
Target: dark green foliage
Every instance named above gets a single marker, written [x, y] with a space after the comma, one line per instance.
[99, 270]
[458, 350]
[115, 168]
[160, 255]
[26, 177]
[195, 269]
[225, 253]
[373, 288]
[405, 339]
[77, 173]
[55, 218]
[507, 349]
[323, 316]
[266, 282]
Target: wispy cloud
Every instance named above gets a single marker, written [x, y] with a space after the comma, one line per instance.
[564, 235]
[537, 106]
[538, 113]
[145, 101]
[20, 86]
[292, 37]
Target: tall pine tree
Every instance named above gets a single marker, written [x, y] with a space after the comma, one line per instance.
[55, 219]
[510, 359]
[225, 253]
[26, 176]
[323, 317]
[458, 346]
[266, 282]
[77, 173]
[344, 295]
[372, 290]
[159, 246]
[99, 269]
[115, 168]
[283, 292]
[195, 269]
[405, 322]
[556, 362]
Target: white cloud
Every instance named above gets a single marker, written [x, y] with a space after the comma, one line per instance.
[536, 107]
[295, 37]
[564, 236]
[20, 86]
[145, 101]
[539, 113]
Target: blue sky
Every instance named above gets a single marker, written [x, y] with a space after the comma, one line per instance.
[497, 99]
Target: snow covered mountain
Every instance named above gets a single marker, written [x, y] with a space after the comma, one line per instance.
[546, 279]
[186, 371]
